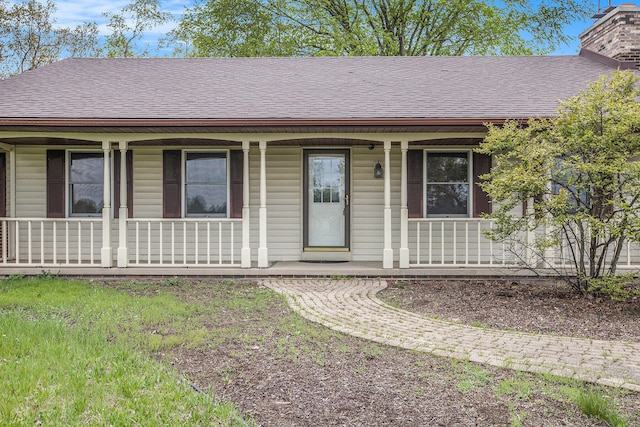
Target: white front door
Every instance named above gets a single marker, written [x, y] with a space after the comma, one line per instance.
[326, 199]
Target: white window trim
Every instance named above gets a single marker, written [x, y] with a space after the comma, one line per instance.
[469, 153]
[183, 179]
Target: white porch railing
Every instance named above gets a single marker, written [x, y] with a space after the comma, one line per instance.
[50, 241]
[560, 257]
[184, 242]
[453, 242]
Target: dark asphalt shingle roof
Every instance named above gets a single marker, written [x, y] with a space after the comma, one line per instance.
[298, 88]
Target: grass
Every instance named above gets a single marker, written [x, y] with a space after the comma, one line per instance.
[594, 404]
[74, 354]
[518, 387]
[469, 376]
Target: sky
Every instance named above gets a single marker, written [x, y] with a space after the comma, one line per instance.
[73, 12]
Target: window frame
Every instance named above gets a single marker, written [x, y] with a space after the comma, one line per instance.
[469, 183]
[183, 177]
[69, 183]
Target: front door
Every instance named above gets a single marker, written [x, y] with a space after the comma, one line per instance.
[326, 199]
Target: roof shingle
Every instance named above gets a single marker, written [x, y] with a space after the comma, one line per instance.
[298, 88]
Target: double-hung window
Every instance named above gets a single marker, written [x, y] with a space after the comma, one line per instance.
[446, 183]
[202, 183]
[75, 183]
[86, 183]
[448, 175]
[206, 184]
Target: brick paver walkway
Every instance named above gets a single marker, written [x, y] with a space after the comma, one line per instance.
[351, 306]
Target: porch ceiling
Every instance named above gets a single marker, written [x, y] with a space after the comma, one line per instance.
[164, 131]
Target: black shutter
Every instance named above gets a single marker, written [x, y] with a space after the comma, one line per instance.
[3, 185]
[481, 202]
[171, 191]
[116, 183]
[3, 199]
[55, 183]
[236, 160]
[415, 188]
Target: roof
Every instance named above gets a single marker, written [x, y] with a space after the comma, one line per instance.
[294, 89]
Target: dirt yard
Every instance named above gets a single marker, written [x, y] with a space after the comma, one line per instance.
[281, 370]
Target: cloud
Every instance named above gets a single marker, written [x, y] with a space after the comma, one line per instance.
[70, 13]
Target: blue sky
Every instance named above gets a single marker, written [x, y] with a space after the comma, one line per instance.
[73, 12]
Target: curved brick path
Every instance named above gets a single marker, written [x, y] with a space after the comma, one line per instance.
[351, 306]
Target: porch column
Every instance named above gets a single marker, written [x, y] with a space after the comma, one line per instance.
[245, 260]
[404, 210]
[263, 255]
[12, 201]
[123, 212]
[106, 253]
[387, 255]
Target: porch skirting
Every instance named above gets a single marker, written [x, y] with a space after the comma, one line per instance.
[276, 269]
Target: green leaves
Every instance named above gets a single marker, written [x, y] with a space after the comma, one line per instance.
[577, 174]
[30, 37]
[378, 27]
[128, 25]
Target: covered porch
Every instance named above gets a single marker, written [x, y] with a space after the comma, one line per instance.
[140, 223]
[143, 226]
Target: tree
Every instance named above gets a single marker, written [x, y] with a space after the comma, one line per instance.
[233, 28]
[129, 25]
[376, 27]
[579, 175]
[30, 39]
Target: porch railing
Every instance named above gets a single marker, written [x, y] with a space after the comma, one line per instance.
[184, 242]
[50, 241]
[452, 242]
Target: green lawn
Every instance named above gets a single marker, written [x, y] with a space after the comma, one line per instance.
[76, 354]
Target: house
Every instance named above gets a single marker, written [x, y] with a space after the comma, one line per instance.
[243, 163]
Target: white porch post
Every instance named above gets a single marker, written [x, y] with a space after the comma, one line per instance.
[123, 212]
[404, 211]
[12, 202]
[106, 253]
[263, 254]
[387, 255]
[245, 261]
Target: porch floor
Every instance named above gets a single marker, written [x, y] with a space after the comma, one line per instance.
[277, 269]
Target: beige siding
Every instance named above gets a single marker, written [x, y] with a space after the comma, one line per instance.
[367, 207]
[284, 213]
[147, 182]
[284, 202]
[31, 181]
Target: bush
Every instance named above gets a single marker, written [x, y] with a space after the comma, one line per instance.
[618, 288]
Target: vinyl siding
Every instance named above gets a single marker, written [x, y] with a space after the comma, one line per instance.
[284, 202]
[284, 213]
[31, 182]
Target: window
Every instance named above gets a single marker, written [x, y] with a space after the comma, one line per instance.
[328, 179]
[447, 184]
[86, 178]
[206, 184]
[208, 180]
[75, 183]
[566, 180]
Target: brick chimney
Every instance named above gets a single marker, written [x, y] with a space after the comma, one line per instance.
[615, 35]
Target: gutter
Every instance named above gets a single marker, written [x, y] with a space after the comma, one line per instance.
[250, 122]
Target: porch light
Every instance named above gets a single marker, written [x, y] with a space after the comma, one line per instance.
[377, 171]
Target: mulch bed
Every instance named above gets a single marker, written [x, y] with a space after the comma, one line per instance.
[338, 380]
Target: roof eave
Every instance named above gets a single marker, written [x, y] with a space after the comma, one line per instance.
[252, 122]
